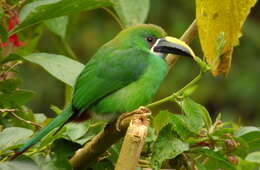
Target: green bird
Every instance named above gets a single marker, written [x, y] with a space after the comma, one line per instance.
[123, 75]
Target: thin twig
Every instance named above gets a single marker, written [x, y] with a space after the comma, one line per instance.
[12, 112]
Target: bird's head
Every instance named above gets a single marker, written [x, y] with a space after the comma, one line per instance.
[153, 38]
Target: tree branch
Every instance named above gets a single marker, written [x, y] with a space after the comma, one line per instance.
[98, 145]
[133, 143]
[91, 150]
[187, 37]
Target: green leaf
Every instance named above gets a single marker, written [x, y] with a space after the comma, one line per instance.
[177, 122]
[38, 11]
[114, 151]
[15, 98]
[248, 132]
[63, 150]
[13, 137]
[58, 25]
[251, 135]
[217, 159]
[246, 165]
[253, 157]
[58, 159]
[199, 165]
[40, 117]
[9, 85]
[161, 119]
[21, 163]
[77, 130]
[11, 57]
[180, 126]
[61, 67]
[3, 34]
[167, 146]
[93, 130]
[2, 13]
[31, 39]
[194, 114]
[132, 12]
[20, 97]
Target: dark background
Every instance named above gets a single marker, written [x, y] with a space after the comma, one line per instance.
[235, 96]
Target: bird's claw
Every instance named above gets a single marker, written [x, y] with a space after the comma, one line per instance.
[141, 111]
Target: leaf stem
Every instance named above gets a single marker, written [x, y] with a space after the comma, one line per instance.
[68, 49]
[178, 93]
[68, 89]
[114, 16]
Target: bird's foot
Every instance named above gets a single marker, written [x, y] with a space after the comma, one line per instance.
[141, 111]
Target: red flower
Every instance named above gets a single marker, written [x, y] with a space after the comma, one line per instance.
[13, 39]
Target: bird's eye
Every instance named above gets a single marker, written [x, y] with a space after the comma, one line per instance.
[151, 39]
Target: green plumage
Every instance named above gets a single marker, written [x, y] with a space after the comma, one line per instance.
[123, 75]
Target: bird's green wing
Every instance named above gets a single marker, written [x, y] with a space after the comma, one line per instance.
[108, 71]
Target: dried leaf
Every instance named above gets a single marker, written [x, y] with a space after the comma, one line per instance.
[219, 26]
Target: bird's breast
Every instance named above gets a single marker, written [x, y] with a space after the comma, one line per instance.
[138, 93]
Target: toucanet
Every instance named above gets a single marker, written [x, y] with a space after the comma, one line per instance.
[124, 74]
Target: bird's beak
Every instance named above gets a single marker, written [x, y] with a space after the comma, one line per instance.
[173, 46]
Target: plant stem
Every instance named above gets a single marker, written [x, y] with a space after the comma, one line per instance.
[114, 16]
[68, 94]
[11, 111]
[178, 93]
[68, 49]
[71, 54]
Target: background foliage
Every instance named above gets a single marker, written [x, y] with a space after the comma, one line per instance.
[28, 92]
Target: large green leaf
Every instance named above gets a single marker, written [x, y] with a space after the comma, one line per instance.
[161, 119]
[40, 10]
[76, 130]
[31, 39]
[58, 25]
[13, 137]
[132, 12]
[251, 135]
[58, 158]
[9, 85]
[253, 157]
[167, 146]
[22, 163]
[248, 132]
[61, 67]
[94, 129]
[194, 114]
[177, 122]
[216, 161]
[246, 165]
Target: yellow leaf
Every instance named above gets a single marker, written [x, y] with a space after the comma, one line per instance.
[219, 26]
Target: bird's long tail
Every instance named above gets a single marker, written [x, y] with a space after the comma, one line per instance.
[58, 121]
